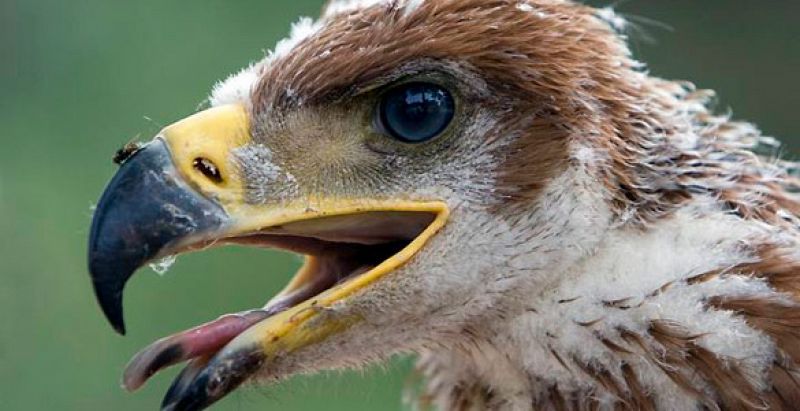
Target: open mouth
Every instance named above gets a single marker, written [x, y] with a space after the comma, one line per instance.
[185, 191]
[343, 253]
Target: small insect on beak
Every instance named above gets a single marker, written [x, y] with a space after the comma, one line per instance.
[126, 151]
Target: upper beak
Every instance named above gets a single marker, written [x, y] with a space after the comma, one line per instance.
[146, 210]
[159, 202]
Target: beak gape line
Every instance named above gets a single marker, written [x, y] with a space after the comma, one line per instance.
[180, 192]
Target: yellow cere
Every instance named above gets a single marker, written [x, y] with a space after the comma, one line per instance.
[210, 134]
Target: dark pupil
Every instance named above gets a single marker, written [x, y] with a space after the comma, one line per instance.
[416, 112]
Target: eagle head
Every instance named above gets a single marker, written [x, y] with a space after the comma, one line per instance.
[495, 185]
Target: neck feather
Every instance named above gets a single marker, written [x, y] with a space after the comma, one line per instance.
[694, 311]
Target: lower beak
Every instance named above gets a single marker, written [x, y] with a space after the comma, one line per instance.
[147, 208]
[204, 382]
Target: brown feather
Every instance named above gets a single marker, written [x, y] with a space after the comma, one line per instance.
[639, 398]
[778, 319]
[722, 374]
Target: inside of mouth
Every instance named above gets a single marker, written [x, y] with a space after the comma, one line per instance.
[337, 249]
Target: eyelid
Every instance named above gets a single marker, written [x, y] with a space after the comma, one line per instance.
[380, 86]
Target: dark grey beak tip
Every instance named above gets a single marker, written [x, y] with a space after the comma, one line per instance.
[200, 385]
[146, 208]
[181, 383]
[191, 397]
[111, 304]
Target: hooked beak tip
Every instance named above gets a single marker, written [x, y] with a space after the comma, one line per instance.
[146, 209]
[110, 300]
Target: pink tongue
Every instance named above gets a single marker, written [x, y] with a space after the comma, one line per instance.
[204, 339]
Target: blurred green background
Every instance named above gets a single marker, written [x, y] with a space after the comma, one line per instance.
[78, 79]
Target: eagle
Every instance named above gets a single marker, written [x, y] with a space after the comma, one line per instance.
[495, 186]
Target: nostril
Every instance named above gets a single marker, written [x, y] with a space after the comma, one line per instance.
[208, 169]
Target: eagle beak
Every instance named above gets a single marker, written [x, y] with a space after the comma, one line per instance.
[146, 210]
[150, 209]
[183, 192]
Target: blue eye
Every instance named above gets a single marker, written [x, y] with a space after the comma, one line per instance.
[415, 112]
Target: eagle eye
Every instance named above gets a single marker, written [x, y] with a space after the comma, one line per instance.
[415, 112]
